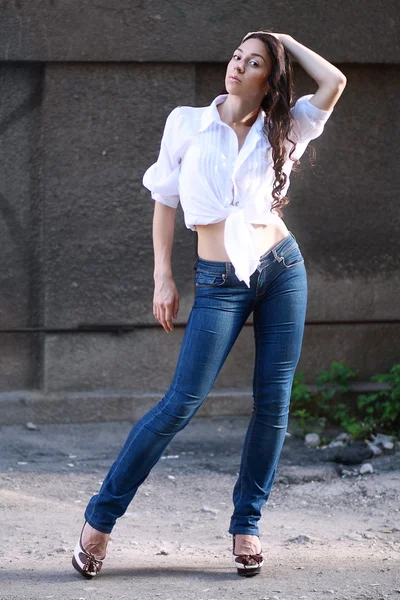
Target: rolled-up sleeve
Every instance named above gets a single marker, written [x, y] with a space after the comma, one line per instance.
[162, 178]
[308, 120]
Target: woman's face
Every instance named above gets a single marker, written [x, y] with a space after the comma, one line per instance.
[248, 70]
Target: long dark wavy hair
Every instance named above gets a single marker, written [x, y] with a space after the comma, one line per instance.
[276, 105]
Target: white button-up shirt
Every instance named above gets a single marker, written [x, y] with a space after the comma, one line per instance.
[200, 165]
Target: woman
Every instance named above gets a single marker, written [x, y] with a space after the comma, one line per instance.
[229, 165]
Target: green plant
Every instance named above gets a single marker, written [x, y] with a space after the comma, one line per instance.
[368, 413]
[300, 397]
[325, 440]
[373, 411]
[331, 383]
[358, 430]
[301, 402]
[338, 373]
[335, 379]
[382, 408]
[303, 417]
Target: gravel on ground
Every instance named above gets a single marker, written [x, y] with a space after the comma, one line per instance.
[323, 535]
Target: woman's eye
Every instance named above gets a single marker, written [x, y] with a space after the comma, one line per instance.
[253, 63]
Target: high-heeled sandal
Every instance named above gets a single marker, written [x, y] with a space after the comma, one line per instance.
[85, 563]
[247, 564]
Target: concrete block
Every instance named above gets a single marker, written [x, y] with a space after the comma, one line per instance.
[19, 195]
[102, 129]
[19, 362]
[352, 298]
[18, 408]
[144, 361]
[141, 361]
[183, 31]
[369, 349]
[342, 211]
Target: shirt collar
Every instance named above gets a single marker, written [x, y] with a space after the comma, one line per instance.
[211, 114]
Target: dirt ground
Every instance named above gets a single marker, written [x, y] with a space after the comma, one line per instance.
[323, 536]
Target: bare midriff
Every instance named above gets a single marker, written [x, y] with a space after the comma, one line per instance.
[210, 239]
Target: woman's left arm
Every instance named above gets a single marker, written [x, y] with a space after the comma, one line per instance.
[331, 82]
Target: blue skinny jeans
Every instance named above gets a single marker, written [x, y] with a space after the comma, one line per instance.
[277, 297]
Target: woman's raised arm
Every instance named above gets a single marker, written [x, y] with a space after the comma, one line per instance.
[331, 81]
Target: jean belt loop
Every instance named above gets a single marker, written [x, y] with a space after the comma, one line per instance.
[276, 257]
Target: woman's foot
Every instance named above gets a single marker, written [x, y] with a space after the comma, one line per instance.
[246, 544]
[247, 554]
[90, 551]
[94, 542]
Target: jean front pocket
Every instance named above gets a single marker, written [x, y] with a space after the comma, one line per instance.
[207, 278]
[291, 257]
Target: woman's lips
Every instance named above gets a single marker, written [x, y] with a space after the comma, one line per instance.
[233, 78]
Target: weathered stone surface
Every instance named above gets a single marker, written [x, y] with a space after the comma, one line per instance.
[368, 348]
[366, 468]
[75, 221]
[17, 408]
[102, 129]
[142, 361]
[82, 407]
[19, 195]
[345, 213]
[210, 81]
[312, 439]
[19, 362]
[351, 298]
[188, 31]
[354, 454]
[294, 475]
[145, 360]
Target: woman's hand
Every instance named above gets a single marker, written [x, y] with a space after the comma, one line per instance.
[280, 36]
[165, 301]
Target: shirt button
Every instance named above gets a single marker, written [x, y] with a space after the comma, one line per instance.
[236, 203]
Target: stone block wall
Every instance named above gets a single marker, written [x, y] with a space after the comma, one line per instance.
[85, 95]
